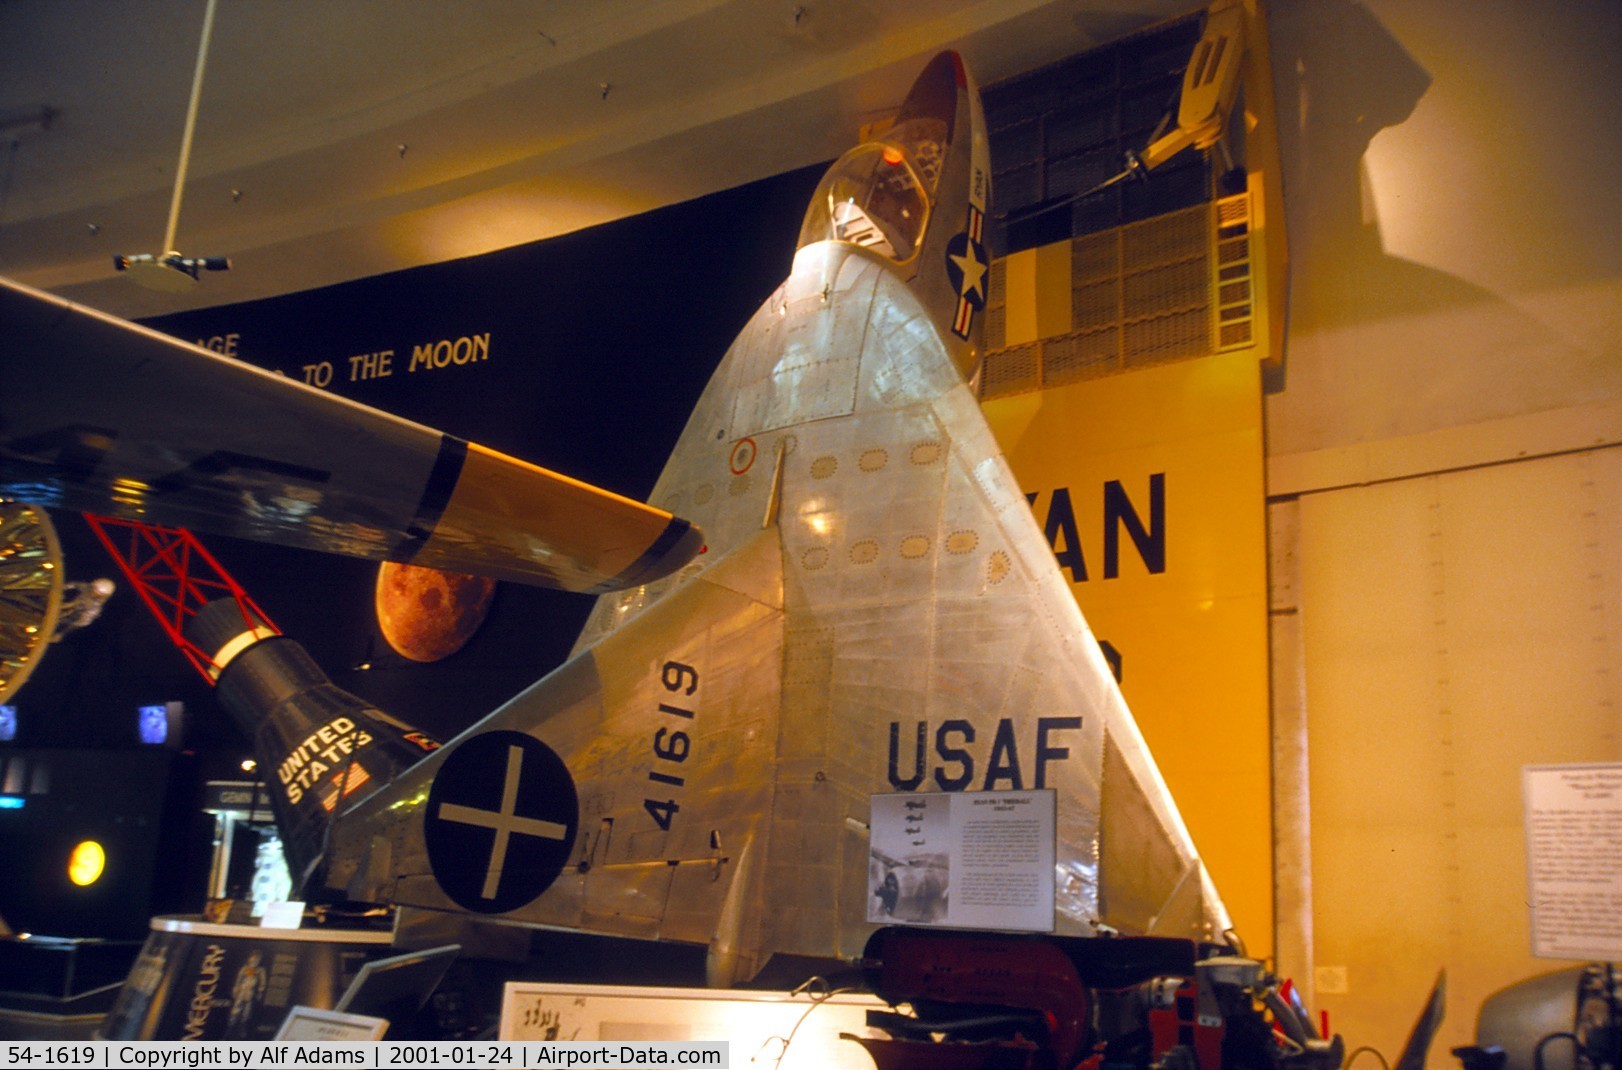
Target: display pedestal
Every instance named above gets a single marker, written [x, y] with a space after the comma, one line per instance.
[196, 980]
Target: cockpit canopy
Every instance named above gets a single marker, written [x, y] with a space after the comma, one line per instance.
[878, 194]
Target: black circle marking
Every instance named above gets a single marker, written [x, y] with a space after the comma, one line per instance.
[500, 821]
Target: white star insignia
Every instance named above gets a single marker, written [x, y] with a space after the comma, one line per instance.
[973, 273]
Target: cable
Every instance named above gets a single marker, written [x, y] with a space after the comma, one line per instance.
[1031, 212]
[191, 125]
[1351, 1058]
[817, 1000]
[1537, 1052]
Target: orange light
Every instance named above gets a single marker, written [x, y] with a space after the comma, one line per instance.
[86, 863]
[892, 155]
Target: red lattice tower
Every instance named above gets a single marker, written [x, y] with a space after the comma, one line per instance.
[175, 577]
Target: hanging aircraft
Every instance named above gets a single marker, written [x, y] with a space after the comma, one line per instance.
[874, 612]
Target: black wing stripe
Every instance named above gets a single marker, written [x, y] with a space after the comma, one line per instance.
[436, 495]
[677, 534]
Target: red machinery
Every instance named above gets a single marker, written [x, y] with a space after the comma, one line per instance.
[1012, 1002]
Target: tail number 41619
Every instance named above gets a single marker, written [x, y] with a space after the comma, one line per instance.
[671, 743]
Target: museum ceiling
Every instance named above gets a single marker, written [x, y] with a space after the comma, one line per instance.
[339, 140]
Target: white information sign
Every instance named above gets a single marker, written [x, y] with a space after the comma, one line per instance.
[780, 1030]
[313, 1023]
[963, 859]
[1574, 860]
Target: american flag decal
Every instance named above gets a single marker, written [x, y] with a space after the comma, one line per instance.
[348, 779]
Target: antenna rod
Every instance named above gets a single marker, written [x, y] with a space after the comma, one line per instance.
[191, 122]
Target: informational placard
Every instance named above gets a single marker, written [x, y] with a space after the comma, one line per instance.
[975, 859]
[288, 915]
[1574, 860]
[313, 1023]
[798, 1031]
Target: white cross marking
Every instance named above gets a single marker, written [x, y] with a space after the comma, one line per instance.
[505, 822]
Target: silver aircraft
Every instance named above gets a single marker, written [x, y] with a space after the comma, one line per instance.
[874, 610]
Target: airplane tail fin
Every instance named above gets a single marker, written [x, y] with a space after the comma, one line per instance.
[326, 748]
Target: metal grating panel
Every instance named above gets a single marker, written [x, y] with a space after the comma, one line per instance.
[1073, 174]
[1003, 106]
[1017, 145]
[1092, 215]
[1096, 305]
[1091, 74]
[1072, 358]
[1176, 185]
[996, 323]
[1232, 210]
[1142, 106]
[996, 327]
[1011, 371]
[1019, 187]
[1081, 127]
[1174, 337]
[1095, 256]
[1159, 54]
[1179, 236]
[1141, 295]
[1171, 288]
[1064, 129]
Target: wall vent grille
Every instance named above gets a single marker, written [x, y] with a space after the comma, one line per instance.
[1174, 287]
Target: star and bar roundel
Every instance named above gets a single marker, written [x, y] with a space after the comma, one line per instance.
[500, 822]
[966, 266]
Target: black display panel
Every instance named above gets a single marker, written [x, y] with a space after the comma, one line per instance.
[137, 806]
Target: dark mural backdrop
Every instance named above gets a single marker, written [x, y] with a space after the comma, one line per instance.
[583, 354]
